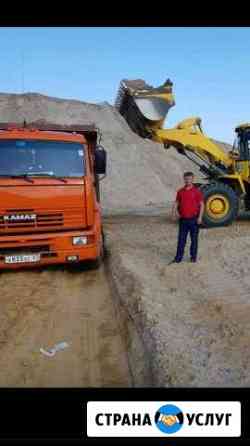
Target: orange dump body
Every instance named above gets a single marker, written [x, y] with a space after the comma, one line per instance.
[42, 216]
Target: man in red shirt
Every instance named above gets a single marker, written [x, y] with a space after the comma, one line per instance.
[189, 207]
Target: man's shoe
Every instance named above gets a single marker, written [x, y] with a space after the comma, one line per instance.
[193, 260]
[174, 261]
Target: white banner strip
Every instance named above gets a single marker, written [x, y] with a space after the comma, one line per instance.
[161, 419]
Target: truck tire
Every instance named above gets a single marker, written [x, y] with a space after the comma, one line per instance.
[221, 204]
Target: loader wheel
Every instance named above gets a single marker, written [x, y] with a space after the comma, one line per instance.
[221, 204]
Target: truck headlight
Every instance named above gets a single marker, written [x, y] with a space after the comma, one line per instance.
[80, 240]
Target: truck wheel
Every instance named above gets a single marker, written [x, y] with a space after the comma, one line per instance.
[221, 204]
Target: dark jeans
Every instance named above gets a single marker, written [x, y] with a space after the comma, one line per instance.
[186, 226]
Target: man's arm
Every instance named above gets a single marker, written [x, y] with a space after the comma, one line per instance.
[175, 209]
[175, 213]
[201, 212]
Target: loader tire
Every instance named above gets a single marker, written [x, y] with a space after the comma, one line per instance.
[221, 205]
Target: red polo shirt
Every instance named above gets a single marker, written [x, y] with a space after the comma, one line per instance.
[189, 201]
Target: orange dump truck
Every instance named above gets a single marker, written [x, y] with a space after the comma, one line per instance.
[49, 195]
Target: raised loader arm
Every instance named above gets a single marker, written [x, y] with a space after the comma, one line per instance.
[188, 138]
[145, 109]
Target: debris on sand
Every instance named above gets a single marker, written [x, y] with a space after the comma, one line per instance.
[52, 351]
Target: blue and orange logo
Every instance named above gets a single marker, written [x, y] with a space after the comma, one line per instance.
[169, 419]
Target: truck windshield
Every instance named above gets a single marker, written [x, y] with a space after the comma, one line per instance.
[47, 158]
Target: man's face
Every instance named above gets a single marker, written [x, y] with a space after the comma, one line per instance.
[188, 180]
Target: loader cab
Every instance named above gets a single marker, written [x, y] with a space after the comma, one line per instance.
[243, 142]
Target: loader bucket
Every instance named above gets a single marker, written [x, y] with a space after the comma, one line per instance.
[143, 106]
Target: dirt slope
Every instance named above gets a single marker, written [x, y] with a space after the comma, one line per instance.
[193, 318]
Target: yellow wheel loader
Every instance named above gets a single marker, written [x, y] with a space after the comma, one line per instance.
[226, 175]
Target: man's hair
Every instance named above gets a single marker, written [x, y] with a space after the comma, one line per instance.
[188, 174]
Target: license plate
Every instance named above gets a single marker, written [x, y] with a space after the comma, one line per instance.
[24, 258]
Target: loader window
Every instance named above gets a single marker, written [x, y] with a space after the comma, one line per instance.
[59, 158]
[244, 146]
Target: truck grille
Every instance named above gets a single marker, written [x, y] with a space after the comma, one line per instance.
[17, 221]
[50, 219]
[42, 220]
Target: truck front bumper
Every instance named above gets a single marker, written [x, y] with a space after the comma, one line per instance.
[51, 248]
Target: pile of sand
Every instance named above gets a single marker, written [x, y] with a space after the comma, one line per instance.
[140, 173]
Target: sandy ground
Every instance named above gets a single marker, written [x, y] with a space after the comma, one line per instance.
[193, 319]
[41, 308]
[136, 321]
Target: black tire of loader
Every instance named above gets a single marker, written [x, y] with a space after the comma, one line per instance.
[222, 189]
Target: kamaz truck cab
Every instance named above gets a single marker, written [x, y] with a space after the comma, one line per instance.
[50, 210]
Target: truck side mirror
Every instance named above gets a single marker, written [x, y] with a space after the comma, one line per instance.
[100, 160]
